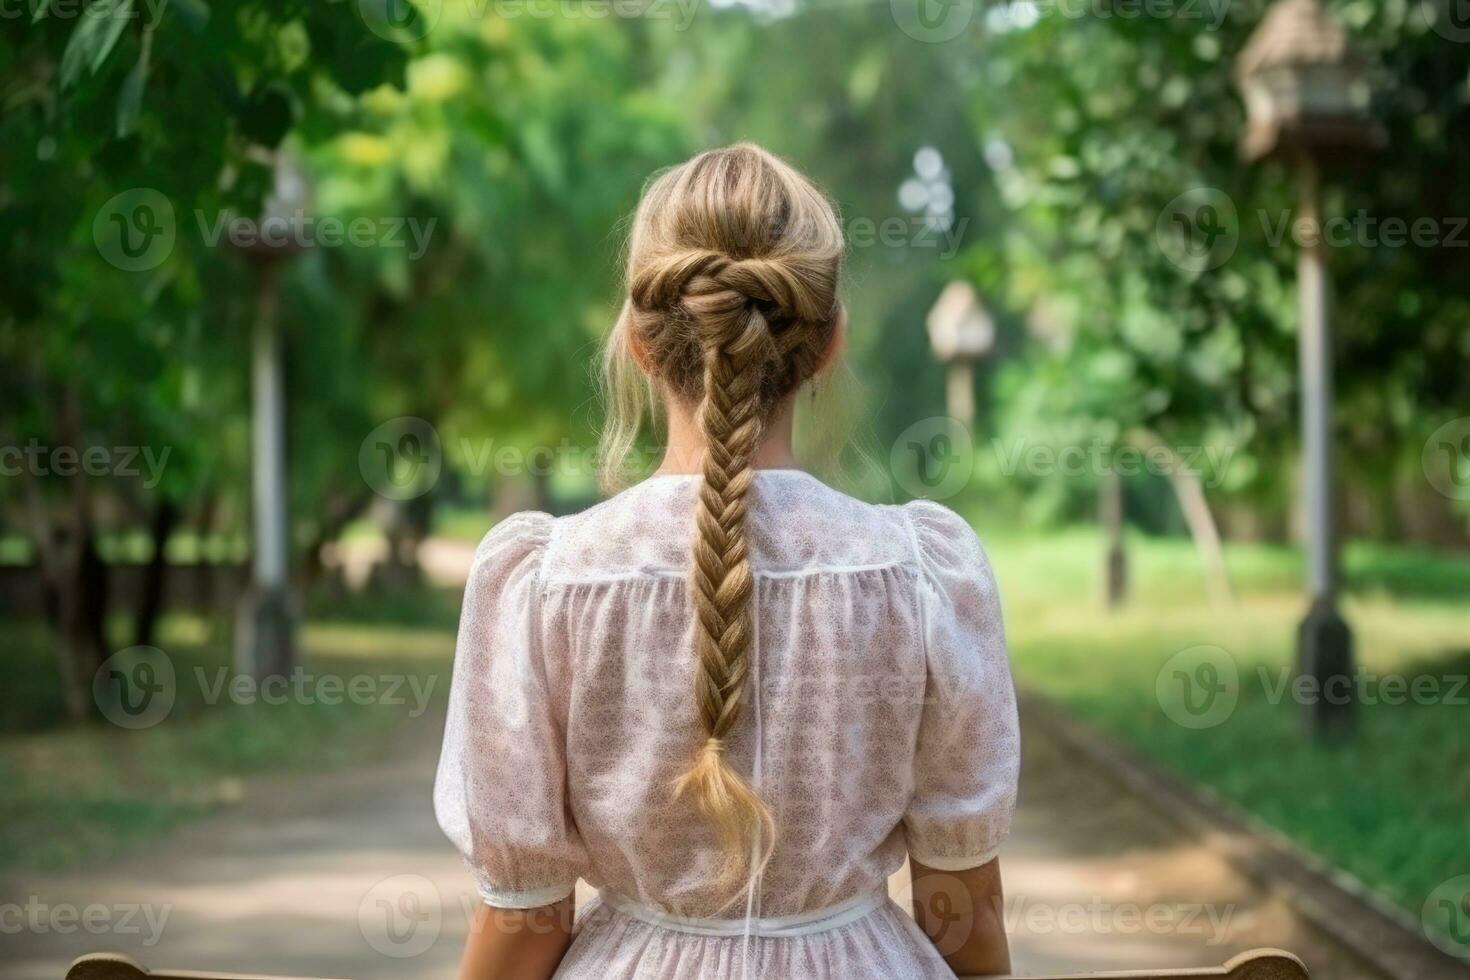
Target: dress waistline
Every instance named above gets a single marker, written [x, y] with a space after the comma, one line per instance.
[783, 927]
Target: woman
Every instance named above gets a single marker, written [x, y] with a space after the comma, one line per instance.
[731, 698]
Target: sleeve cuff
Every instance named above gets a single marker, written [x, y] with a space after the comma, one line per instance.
[533, 899]
[962, 863]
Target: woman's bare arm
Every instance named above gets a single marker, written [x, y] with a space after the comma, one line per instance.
[517, 944]
[963, 914]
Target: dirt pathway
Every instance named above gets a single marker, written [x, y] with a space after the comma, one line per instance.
[347, 875]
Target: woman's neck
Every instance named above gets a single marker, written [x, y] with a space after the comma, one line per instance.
[685, 448]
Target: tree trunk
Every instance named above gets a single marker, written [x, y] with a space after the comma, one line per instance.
[1115, 557]
[341, 510]
[1197, 517]
[73, 572]
[408, 527]
[150, 598]
[75, 583]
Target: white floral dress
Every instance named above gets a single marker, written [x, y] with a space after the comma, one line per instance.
[880, 722]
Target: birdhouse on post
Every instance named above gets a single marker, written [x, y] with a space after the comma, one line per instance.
[1305, 89]
[960, 333]
[1307, 100]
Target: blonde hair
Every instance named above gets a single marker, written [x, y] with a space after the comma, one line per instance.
[732, 276]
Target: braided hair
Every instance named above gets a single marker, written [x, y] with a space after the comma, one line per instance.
[733, 269]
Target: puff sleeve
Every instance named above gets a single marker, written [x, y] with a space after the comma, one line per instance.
[968, 756]
[501, 790]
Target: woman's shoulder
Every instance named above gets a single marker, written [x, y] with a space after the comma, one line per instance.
[798, 524]
[801, 524]
[640, 529]
[514, 539]
[945, 543]
[522, 527]
[932, 520]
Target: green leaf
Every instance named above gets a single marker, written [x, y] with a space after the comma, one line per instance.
[42, 9]
[130, 96]
[93, 38]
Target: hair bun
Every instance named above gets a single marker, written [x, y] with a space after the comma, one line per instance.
[660, 283]
[786, 283]
[781, 282]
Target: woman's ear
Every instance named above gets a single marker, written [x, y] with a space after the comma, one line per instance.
[837, 341]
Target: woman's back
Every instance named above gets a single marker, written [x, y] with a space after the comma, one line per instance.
[736, 679]
[879, 719]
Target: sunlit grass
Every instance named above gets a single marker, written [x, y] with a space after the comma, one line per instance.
[1392, 806]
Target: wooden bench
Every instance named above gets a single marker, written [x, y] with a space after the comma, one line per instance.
[1257, 964]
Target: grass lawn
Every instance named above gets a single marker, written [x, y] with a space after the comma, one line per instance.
[1392, 806]
[72, 792]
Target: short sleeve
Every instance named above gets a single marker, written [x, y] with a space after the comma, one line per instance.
[501, 790]
[968, 755]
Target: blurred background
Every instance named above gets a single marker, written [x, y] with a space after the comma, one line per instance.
[299, 298]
